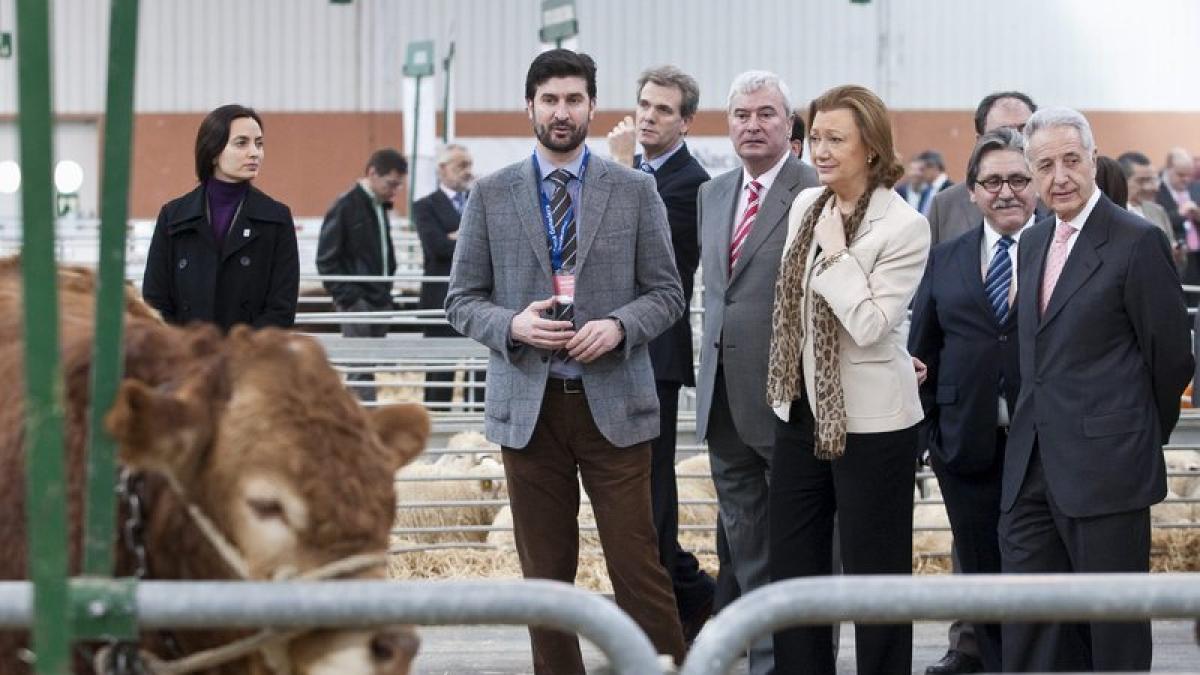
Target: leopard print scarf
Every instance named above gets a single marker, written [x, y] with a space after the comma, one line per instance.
[784, 380]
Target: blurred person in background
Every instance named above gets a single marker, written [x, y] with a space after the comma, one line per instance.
[951, 212]
[1179, 195]
[435, 217]
[225, 253]
[356, 240]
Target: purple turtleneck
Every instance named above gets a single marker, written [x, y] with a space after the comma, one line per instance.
[223, 201]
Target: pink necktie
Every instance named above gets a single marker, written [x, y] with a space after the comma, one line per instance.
[743, 229]
[1055, 261]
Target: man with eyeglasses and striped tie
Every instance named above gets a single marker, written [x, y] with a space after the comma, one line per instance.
[965, 330]
[564, 270]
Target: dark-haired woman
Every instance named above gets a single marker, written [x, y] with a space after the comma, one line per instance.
[840, 379]
[225, 253]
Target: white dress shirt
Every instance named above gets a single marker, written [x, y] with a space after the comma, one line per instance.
[765, 180]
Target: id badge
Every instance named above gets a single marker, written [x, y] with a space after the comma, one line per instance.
[564, 288]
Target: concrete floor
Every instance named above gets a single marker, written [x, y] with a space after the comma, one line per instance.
[503, 650]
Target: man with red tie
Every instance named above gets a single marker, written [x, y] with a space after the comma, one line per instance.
[1105, 353]
[743, 224]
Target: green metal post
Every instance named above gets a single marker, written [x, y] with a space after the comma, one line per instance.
[45, 503]
[110, 297]
[446, 62]
[412, 169]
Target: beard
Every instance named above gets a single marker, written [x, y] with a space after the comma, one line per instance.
[544, 133]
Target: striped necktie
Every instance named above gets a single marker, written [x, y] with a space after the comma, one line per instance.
[745, 225]
[998, 280]
[563, 213]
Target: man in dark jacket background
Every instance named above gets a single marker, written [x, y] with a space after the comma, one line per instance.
[356, 240]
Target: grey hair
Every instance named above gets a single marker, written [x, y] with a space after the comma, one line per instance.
[1048, 118]
[1002, 138]
[670, 76]
[444, 152]
[753, 80]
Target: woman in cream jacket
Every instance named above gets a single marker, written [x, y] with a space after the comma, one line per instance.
[840, 379]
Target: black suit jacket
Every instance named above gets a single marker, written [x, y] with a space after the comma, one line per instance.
[969, 354]
[1103, 369]
[679, 181]
[435, 218]
[1167, 201]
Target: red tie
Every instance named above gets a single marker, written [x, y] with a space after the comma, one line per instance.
[742, 233]
[1055, 261]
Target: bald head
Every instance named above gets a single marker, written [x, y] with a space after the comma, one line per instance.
[1179, 169]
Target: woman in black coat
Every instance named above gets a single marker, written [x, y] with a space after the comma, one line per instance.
[225, 252]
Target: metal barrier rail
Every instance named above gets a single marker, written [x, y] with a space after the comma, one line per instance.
[974, 597]
[359, 604]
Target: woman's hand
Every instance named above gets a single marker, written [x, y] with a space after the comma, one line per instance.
[830, 233]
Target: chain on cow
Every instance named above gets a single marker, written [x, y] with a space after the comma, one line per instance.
[126, 659]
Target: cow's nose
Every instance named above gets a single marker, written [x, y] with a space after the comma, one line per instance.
[393, 651]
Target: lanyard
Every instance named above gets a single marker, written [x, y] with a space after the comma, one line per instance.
[556, 238]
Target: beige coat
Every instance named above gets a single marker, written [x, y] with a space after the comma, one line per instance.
[869, 291]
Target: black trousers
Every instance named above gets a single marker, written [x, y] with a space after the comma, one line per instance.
[1036, 536]
[693, 587]
[973, 504]
[870, 490]
[364, 330]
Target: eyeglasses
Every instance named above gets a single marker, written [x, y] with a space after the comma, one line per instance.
[994, 184]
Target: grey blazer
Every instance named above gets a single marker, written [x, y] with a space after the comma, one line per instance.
[952, 213]
[737, 308]
[625, 269]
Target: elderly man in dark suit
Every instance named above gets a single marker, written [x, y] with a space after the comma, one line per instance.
[965, 330]
[435, 217]
[743, 224]
[1105, 353]
[666, 105]
[571, 396]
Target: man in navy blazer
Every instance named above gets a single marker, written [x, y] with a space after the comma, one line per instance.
[1105, 353]
[666, 105]
[964, 328]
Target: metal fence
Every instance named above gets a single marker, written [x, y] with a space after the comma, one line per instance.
[360, 604]
[901, 599]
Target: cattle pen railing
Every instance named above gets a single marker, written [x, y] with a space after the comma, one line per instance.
[822, 600]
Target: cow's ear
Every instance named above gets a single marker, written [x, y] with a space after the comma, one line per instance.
[159, 432]
[403, 428]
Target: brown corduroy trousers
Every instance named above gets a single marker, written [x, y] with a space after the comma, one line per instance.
[543, 489]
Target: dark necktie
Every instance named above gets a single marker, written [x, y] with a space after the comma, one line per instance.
[999, 279]
[647, 168]
[562, 211]
[460, 200]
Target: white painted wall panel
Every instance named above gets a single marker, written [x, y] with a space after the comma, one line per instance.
[311, 55]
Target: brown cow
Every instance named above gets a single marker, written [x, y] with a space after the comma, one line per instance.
[260, 434]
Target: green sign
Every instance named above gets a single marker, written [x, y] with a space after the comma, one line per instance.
[5, 45]
[419, 60]
[558, 21]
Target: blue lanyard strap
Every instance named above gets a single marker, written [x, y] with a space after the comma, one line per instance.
[556, 238]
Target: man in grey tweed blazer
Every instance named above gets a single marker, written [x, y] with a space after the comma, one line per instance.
[568, 398]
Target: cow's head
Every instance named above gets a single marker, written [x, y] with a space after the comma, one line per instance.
[263, 437]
